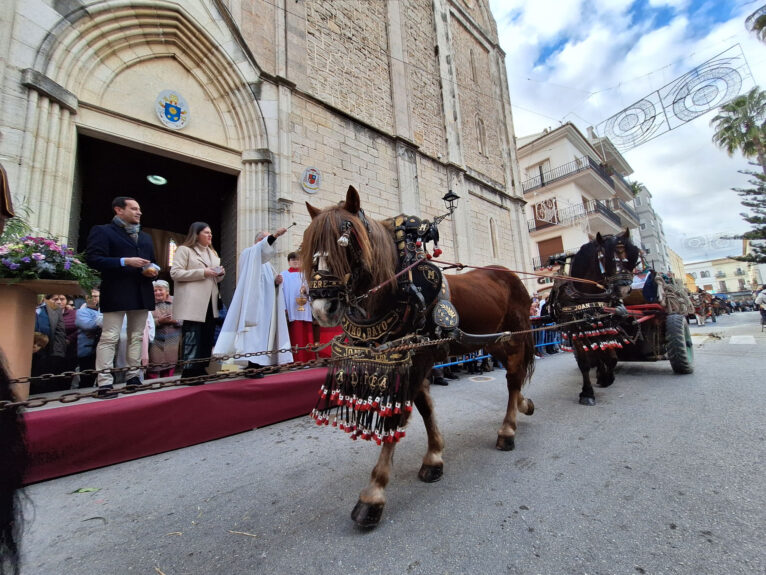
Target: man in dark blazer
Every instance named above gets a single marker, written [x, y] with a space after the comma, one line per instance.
[125, 257]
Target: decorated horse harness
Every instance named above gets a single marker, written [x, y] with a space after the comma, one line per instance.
[586, 325]
[366, 393]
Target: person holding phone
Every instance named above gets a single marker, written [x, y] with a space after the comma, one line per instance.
[196, 273]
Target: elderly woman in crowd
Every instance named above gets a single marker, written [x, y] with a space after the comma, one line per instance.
[196, 273]
[164, 348]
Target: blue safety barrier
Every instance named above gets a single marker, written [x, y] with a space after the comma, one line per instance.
[469, 360]
[550, 336]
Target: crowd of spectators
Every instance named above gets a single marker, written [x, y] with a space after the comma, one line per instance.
[133, 321]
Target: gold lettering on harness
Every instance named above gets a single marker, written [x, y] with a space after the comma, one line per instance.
[582, 306]
[369, 332]
[429, 273]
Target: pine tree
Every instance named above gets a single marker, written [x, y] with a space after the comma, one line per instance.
[755, 200]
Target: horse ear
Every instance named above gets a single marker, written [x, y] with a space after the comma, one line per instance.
[313, 212]
[353, 203]
[626, 234]
[599, 238]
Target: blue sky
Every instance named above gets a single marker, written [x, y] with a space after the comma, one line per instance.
[583, 61]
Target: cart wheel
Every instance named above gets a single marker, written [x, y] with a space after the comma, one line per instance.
[679, 344]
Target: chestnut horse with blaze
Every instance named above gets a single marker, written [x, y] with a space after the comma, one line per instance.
[488, 301]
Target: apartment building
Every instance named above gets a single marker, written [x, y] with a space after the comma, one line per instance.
[652, 234]
[575, 187]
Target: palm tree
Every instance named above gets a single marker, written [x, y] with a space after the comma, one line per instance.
[741, 125]
[756, 23]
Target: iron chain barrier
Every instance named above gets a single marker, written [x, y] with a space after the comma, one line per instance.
[406, 343]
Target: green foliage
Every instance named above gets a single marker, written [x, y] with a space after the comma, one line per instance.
[635, 188]
[16, 227]
[756, 23]
[740, 125]
[755, 200]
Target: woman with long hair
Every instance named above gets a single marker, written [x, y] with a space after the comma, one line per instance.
[196, 273]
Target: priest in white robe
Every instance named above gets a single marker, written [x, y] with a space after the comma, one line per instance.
[255, 320]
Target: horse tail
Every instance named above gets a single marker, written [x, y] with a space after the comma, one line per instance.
[13, 454]
[519, 302]
[528, 359]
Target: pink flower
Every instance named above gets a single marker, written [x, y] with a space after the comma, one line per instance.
[38, 256]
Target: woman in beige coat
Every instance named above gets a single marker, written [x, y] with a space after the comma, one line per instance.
[196, 273]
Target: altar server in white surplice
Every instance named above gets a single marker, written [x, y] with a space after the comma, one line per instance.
[299, 322]
[255, 320]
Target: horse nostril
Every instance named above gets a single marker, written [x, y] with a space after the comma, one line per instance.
[333, 307]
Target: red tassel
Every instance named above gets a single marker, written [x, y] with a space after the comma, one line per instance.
[437, 252]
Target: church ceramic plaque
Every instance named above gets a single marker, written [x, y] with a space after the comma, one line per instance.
[311, 180]
[172, 109]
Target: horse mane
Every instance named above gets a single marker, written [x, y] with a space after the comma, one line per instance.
[584, 262]
[377, 248]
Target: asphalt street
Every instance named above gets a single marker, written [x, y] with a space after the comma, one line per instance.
[665, 475]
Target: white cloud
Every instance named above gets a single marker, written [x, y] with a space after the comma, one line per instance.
[604, 64]
[677, 4]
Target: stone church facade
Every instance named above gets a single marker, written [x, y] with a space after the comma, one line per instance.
[295, 100]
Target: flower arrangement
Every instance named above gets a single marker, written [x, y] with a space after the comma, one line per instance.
[31, 258]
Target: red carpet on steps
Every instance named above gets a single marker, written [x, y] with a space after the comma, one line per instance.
[78, 437]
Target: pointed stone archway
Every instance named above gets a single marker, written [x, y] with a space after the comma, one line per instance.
[99, 71]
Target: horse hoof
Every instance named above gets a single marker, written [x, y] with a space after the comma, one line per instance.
[530, 406]
[587, 401]
[431, 473]
[367, 515]
[505, 443]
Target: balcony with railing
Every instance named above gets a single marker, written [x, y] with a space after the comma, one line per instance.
[622, 207]
[577, 166]
[626, 185]
[568, 216]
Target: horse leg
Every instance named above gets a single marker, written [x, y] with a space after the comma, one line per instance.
[587, 395]
[514, 376]
[605, 370]
[432, 468]
[369, 509]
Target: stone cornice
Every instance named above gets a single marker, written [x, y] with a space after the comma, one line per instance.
[34, 80]
[261, 155]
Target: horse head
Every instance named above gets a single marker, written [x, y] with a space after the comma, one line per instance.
[344, 254]
[617, 258]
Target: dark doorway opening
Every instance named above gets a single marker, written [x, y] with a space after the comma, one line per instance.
[191, 193]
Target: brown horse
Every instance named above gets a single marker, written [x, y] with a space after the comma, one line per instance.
[487, 301]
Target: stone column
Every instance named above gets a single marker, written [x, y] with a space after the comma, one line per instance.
[448, 75]
[48, 154]
[461, 218]
[253, 196]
